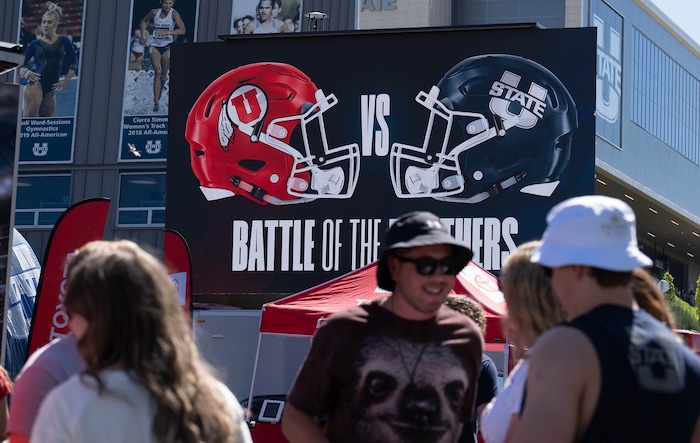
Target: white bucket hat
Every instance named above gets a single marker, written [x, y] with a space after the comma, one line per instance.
[592, 230]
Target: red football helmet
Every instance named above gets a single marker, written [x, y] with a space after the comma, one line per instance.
[246, 138]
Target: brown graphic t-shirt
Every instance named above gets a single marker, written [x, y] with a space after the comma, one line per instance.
[377, 377]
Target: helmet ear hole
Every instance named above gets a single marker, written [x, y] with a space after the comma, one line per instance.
[552, 94]
[210, 103]
[562, 143]
[305, 107]
[448, 103]
[252, 165]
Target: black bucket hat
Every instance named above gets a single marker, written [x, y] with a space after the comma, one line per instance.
[419, 228]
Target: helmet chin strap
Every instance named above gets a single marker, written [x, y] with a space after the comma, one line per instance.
[262, 195]
[495, 189]
[328, 182]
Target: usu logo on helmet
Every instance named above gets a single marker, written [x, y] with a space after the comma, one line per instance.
[259, 131]
[497, 122]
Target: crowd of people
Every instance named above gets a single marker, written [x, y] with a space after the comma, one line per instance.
[598, 360]
[129, 371]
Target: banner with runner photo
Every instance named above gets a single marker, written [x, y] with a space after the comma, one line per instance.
[265, 16]
[155, 27]
[51, 33]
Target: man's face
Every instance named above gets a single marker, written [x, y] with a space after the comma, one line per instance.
[265, 10]
[167, 4]
[419, 296]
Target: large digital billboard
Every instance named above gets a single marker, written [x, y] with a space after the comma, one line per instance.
[291, 156]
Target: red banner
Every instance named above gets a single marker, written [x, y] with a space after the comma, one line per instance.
[80, 224]
[176, 257]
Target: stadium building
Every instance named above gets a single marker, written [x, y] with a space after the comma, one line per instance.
[647, 144]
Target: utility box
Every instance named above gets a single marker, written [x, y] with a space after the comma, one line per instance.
[227, 338]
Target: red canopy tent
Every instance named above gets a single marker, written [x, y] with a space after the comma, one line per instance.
[303, 313]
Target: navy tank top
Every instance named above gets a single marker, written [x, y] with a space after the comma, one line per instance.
[650, 381]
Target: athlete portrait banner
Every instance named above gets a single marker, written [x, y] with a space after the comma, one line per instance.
[155, 26]
[265, 16]
[293, 155]
[51, 34]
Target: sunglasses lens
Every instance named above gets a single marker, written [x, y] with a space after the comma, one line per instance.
[426, 265]
[447, 266]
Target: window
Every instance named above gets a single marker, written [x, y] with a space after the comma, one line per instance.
[41, 199]
[141, 199]
[665, 98]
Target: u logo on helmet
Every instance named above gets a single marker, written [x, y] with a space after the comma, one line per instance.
[246, 106]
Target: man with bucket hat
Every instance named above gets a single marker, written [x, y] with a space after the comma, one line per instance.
[613, 373]
[401, 368]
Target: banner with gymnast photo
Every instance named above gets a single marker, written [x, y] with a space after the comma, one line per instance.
[51, 34]
[265, 16]
[155, 26]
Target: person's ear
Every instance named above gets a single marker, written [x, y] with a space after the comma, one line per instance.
[580, 270]
[393, 266]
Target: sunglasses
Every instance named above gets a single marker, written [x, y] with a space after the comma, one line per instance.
[428, 265]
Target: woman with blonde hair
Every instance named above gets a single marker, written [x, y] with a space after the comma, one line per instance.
[532, 310]
[46, 60]
[144, 380]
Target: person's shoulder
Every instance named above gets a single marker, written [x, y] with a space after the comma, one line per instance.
[72, 387]
[487, 362]
[352, 314]
[488, 368]
[62, 352]
[230, 399]
[32, 44]
[447, 316]
[64, 344]
[558, 336]
[562, 346]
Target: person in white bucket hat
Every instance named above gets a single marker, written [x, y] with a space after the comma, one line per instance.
[613, 372]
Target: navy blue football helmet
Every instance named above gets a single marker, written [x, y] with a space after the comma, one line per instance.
[497, 122]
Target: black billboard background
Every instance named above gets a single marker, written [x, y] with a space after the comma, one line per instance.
[399, 64]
